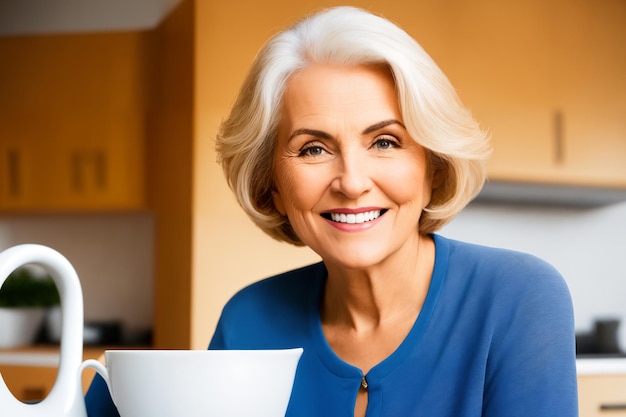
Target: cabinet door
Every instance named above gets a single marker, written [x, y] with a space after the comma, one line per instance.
[602, 395]
[77, 166]
[592, 96]
[23, 172]
[547, 80]
[502, 65]
[71, 122]
[99, 164]
[34, 383]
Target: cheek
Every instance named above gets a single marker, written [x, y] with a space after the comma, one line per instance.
[408, 184]
[298, 189]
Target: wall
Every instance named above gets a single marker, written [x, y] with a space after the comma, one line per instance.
[170, 149]
[112, 254]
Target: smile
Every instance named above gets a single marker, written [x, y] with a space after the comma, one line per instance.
[354, 218]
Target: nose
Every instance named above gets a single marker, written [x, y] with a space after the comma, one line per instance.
[353, 178]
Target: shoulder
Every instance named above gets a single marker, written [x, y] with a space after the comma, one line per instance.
[515, 295]
[290, 282]
[272, 312]
[496, 263]
[286, 291]
[503, 274]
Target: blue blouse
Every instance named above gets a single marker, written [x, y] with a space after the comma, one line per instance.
[495, 337]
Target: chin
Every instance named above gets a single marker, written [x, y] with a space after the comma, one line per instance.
[361, 261]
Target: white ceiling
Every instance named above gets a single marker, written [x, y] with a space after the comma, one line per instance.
[44, 17]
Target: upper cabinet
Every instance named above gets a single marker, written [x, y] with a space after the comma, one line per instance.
[592, 91]
[548, 80]
[72, 116]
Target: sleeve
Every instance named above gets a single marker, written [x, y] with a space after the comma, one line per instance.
[531, 369]
[98, 400]
[217, 341]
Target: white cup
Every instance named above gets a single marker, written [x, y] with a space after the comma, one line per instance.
[199, 383]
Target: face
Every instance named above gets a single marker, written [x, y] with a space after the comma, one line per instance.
[351, 180]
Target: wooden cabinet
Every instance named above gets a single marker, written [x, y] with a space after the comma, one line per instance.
[602, 395]
[592, 90]
[547, 79]
[72, 117]
[56, 173]
[33, 383]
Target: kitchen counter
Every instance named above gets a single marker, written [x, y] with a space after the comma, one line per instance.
[48, 360]
[601, 365]
[48, 356]
[30, 372]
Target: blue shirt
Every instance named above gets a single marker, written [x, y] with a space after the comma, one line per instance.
[494, 338]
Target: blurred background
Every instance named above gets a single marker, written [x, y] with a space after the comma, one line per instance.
[108, 110]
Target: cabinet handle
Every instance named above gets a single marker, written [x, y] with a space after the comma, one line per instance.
[612, 407]
[100, 169]
[33, 395]
[77, 177]
[13, 162]
[558, 137]
[91, 167]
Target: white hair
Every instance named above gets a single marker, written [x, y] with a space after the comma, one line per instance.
[431, 109]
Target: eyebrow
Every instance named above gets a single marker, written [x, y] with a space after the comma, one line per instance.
[323, 135]
[311, 132]
[380, 125]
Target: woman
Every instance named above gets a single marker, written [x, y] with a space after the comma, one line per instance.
[347, 138]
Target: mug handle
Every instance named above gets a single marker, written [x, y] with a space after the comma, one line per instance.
[99, 368]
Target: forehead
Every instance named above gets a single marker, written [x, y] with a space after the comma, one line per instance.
[324, 88]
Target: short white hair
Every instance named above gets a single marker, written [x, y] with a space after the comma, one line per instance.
[431, 109]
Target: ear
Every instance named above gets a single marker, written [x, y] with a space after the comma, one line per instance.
[438, 178]
[279, 203]
[438, 171]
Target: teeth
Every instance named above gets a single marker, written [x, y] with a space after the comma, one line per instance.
[355, 218]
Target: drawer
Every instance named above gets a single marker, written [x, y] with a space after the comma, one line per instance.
[602, 395]
[28, 383]
[31, 380]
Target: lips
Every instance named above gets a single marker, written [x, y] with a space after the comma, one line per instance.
[354, 218]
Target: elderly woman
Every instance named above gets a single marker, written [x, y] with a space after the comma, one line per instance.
[347, 138]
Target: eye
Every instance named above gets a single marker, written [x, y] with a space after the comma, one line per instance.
[386, 142]
[311, 150]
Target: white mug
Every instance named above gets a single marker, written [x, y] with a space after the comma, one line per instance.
[199, 383]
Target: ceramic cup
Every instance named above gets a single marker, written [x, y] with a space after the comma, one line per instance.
[194, 383]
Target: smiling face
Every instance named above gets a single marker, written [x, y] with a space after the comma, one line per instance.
[350, 178]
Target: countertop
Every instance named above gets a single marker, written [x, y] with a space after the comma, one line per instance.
[600, 365]
[48, 356]
[46, 360]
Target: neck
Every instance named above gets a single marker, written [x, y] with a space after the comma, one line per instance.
[363, 300]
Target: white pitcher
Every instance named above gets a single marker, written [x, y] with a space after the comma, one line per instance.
[66, 397]
[219, 379]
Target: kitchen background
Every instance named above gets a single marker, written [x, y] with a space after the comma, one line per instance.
[169, 245]
[112, 254]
